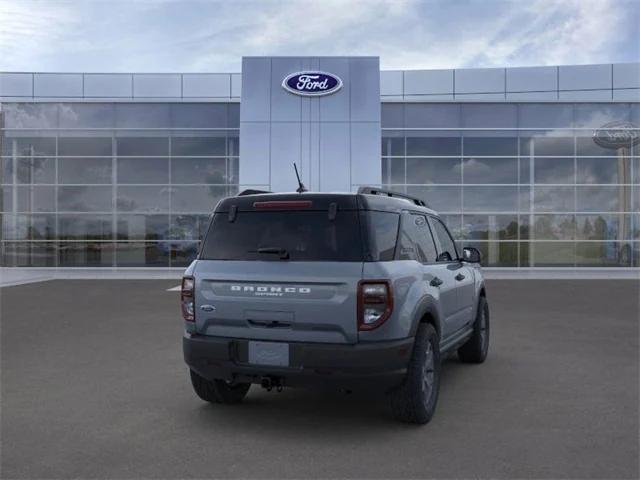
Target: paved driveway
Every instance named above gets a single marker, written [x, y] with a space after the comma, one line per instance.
[93, 385]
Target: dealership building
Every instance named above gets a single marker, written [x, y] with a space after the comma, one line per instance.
[536, 166]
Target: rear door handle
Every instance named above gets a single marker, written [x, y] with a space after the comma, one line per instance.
[459, 277]
[436, 282]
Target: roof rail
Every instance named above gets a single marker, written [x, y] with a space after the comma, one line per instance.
[389, 193]
[251, 191]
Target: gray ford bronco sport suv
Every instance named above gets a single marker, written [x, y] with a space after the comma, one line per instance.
[345, 289]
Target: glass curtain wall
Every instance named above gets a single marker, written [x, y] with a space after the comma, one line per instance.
[526, 184]
[113, 184]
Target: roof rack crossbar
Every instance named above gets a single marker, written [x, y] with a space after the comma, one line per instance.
[251, 191]
[389, 193]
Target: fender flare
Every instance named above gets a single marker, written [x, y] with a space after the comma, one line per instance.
[427, 305]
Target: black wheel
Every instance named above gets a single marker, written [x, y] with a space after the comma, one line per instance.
[476, 348]
[415, 400]
[218, 391]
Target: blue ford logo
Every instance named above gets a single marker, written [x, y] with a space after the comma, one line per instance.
[617, 135]
[312, 84]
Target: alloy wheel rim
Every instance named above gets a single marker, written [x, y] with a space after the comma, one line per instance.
[428, 374]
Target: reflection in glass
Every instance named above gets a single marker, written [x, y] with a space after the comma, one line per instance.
[142, 146]
[604, 227]
[183, 253]
[143, 199]
[86, 115]
[393, 144]
[84, 199]
[546, 145]
[604, 254]
[84, 146]
[28, 227]
[30, 170]
[603, 198]
[200, 146]
[81, 254]
[34, 199]
[84, 170]
[553, 170]
[29, 146]
[143, 170]
[85, 227]
[490, 227]
[554, 227]
[603, 170]
[189, 227]
[199, 170]
[393, 170]
[139, 254]
[29, 254]
[143, 227]
[554, 199]
[419, 145]
[490, 146]
[433, 170]
[491, 199]
[197, 199]
[30, 115]
[441, 199]
[552, 254]
[490, 170]
[496, 254]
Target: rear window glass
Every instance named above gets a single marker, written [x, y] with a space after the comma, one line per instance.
[281, 235]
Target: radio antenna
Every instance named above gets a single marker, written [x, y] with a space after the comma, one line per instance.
[301, 188]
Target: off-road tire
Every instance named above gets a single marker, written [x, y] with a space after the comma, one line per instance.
[218, 391]
[415, 401]
[476, 348]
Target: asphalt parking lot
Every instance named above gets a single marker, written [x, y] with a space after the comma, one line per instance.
[93, 386]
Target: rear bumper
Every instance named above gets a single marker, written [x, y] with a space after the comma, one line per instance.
[379, 364]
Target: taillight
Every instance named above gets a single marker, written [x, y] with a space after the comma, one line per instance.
[186, 299]
[375, 303]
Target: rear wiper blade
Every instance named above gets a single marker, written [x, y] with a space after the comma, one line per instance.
[284, 255]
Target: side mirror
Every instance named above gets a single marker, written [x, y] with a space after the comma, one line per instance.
[471, 255]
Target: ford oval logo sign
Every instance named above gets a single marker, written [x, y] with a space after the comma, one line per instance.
[312, 84]
[617, 135]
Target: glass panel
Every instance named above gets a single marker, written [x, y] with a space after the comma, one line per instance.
[603, 170]
[425, 115]
[490, 227]
[392, 144]
[199, 115]
[636, 170]
[34, 199]
[441, 199]
[189, 227]
[490, 170]
[143, 170]
[198, 146]
[547, 146]
[183, 253]
[197, 199]
[143, 227]
[143, 199]
[28, 227]
[604, 227]
[553, 170]
[393, 170]
[142, 115]
[89, 115]
[489, 115]
[28, 146]
[635, 232]
[233, 170]
[490, 146]
[142, 146]
[84, 199]
[554, 227]
[140, 254]
[7, 199]
[392, 115]
[587, 146]
[454, 224]
[434, 170]
[552, 254]
[536, 115]
[30, 115]
[85, 227]
[84, 146]
[233, 143]
[233, 115]
[80, 254]
[84, 170]
[423, 143]
[491, 199]
[29, 254]
[598, 114]
[603, 198]
[199, 170]
[525, 170]
[603, 254]
[496, 254]
[553, 199]
[33, 170]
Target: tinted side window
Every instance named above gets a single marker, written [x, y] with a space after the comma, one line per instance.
[415, 239]
[382, 234]
[446, 243]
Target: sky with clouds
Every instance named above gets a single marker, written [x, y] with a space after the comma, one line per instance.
[212, 36]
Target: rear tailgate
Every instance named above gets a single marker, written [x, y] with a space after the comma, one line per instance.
[278, 300]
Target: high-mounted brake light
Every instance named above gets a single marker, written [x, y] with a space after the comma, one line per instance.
[283, 204]
[375, 303]
[187, 300]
